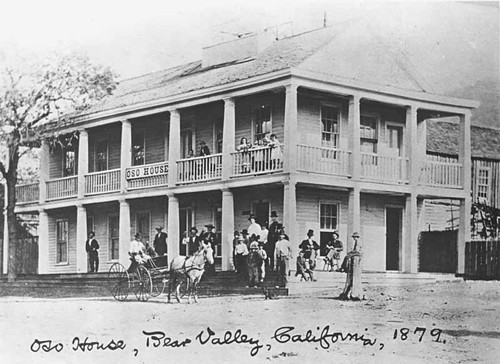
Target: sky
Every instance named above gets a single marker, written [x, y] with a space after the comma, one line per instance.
[451, 44]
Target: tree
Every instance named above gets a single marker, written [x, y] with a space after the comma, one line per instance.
[35, 94]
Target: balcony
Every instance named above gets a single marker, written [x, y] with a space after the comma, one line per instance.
[257, 161]
[28, 193]
[62, 188]
[323, 160]
[441, 174]
[146, 176]
[199, 169]
[379, 168]
[102, 182]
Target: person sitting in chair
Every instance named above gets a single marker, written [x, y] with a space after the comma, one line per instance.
[334, 247]
[310, 248]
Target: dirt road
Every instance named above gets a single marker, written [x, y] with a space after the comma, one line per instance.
[446, 322]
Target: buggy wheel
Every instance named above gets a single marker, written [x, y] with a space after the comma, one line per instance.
[118, 281]
[144, 286]
[158, 287]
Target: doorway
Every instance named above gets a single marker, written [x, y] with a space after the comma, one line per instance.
[185, 223]
[261, 212]
[393, 229]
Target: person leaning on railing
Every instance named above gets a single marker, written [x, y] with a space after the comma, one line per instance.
[276, 152]
[244, 155]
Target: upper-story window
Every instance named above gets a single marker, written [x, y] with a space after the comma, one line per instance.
[368, 134]
[69, 162]
[138, 148]
[329, 116]
[262, 121]
[101, 156]
[483, 184]
[395, 138]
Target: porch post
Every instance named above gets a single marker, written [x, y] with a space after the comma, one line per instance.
[290, 132]
[228, 135]
[81, 237]
[174, 148]
[412, 152]
[126, 153]
[410, 241]
[354, 138]
[44, 170]
[83, 164]
[290, 213]
[173, 226]
[464, 157]
[353, 222]
[125, 237]
[5, 257]
[227, 228]
[43, 242]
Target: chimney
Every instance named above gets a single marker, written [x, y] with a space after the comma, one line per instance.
[237, 50]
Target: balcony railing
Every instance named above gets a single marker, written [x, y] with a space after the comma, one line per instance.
[384, 168]
[259, 160]
[62, 188]
[441, 174]
[157, 175]
[323, 160]
[102, 182]
[28, 193]
[199, 169]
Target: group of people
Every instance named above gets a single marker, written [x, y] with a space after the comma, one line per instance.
[256, 250]
[268, 154]
[194, 242]
[141, 252]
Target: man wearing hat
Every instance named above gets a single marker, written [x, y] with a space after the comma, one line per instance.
[192, 241]
[92, 247]
[309, 248]
[334, 247]
[240, 254]
[272, 238]
[208, 236]
[352, 266]
[160, 241]
[254, 264]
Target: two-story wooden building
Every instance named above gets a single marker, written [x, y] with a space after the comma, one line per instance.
[350, 115]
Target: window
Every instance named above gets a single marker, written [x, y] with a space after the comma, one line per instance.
[218, 140]
[483, 184]
[395, 138]
[142, 225]
[329, 126]
[262, 122]
[328, 221]
[138, 149]
[69, 162]
[368, 134]
[62, 241]
[114, 237]
[101, 156]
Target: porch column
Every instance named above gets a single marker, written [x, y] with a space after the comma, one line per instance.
[81, 237]
[126, 153]
[464, 157]
[44, 170]
[83, 164]
[354, 220]
[227, 228]
[291, 134]
[5, 257]
[43, 242]
[410, 241]
[173, 226]
[412, 152]
[228, 135]
[174, 147]
[125, 236]
[354, 137]
[290, 213]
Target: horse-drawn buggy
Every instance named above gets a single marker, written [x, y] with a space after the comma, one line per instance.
[150, 277]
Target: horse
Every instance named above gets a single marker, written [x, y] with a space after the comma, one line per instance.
[191, 269]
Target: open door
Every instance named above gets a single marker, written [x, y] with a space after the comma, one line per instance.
[393, 226]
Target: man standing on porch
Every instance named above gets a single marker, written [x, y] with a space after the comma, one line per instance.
[272, 238]
[92, 247]
[160, 242]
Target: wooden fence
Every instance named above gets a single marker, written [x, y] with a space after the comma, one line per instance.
[482, 259]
